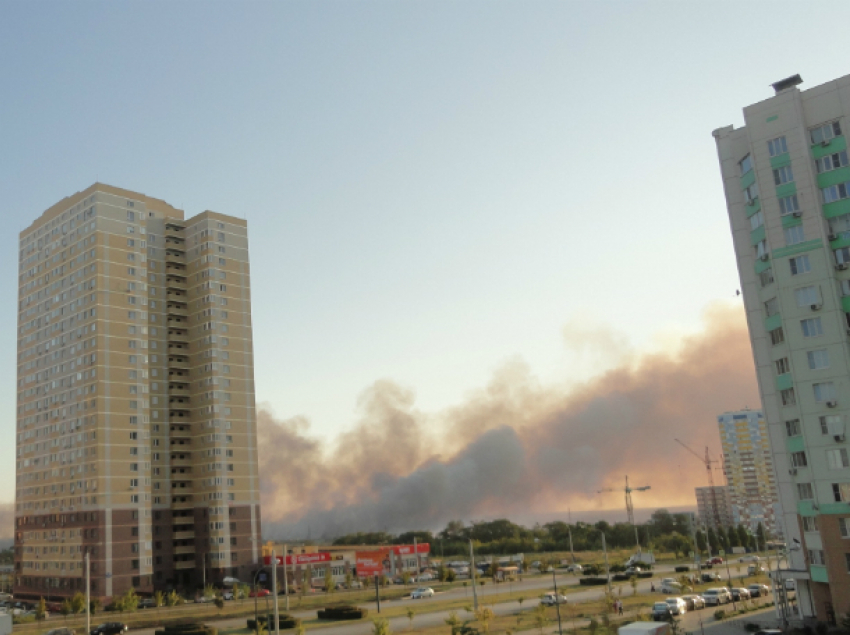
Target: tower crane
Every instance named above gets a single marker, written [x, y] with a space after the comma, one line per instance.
[630, 510]
[707, 461]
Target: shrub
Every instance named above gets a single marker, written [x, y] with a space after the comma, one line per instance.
[821, 628]
[645, 574]
[751, 627]
[284, 621]
[592, 581]
[719, 614]
[189, 628]
[342, 613]
[681, 569]
[591, 569]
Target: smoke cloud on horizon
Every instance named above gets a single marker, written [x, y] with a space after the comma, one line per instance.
[515, 446]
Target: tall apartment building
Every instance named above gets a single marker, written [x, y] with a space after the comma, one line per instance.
[748, 463]
[787, 184]
[136, 427]
[714, 506]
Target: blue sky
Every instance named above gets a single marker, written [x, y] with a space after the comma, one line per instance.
[432, 188]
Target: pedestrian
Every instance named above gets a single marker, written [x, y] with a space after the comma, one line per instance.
[620, 607]
[652, 587]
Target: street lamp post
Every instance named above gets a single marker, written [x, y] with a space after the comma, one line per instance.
[557, 602]
[274, 587]
[472, 576]
[607, 568]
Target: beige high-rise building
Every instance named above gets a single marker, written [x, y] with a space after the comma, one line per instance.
[136, 427]
[714, 506]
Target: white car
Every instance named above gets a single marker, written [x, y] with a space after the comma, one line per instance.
[574, 568]
[426, 577]
[422, 592]
[677, 606]
[749, 559]
[227, 595]
[551, 599]
[717, 596]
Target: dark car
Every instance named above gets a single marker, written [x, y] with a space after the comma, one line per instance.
[61, 631]
[147, 603]
[109, 628]
[710, 577]
[661, 612]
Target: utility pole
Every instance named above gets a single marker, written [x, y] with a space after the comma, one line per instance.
[377, 593]
[557, 602]
[570, 533]
[286, 576]
[607, 568]
[472, 575]
[274, 590]
[88, 594]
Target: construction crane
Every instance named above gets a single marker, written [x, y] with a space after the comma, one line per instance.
[715, 512]
[630, 510]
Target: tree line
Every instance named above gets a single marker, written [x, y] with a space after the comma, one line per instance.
[663, 532]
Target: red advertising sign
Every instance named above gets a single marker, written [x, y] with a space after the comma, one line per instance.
[404, 550]
[371, 563]
[302, 558]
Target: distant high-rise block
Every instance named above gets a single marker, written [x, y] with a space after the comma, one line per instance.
[786, 177]
[136, 426]
[714, 506]
[748, 463]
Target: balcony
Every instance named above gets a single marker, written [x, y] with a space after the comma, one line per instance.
[178, 363]
[185, 564]
[184, 550]
[174, 391]
[178, 310]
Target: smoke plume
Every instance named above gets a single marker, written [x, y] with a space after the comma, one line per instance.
[515, 446]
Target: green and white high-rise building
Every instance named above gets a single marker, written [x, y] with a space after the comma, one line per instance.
[787, 183]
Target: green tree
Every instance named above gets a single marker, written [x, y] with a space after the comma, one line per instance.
[130, 601]
[65, 608]
[540, 618]
[410, 615]
[219, 603]
[441, 572]
[405, 577]
[453, 621]
[349, 579]
[734, 539]
[40, 610]
[743, 535]
[761, 534]
[702, 545]
[450, 575]
[209, 591]
[520, 599]
[712, 540]
[173, 599]
[380, 626]
[78, 603]
[722, 538]
[593, 626]
[329, 580]
[484, 616]
[158, 599]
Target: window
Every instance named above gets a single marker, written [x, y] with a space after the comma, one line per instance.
[816, 556]
[798, 459]
[766, 277]
[810, 523]
[756, 220]
[792, 427]
[828, 422]
[845, 287]
[811, 327]
[751, 193]
[799, 265]
[761, 249]
[806, 296]
[818, 359]
[745, 164]
[794, 235]
[844, 527]
[831, 161]
[804, 491]
[783, 175]
[777, 336]
[789, 398]
[777, 146]
[771, 307]
[789, 204]
[835, 192]
[824, 391]
[134, 482]
[841, 492]
[837, 459]
[842, 255]
[782, 366]
[825, 132]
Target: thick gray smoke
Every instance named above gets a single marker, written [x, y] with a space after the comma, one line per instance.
[513, 448]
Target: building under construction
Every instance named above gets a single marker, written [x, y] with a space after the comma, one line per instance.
[714, 505]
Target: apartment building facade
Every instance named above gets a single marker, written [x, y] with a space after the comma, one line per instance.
[136, 426]
[714, 506]
[787, 185]
[748, 464]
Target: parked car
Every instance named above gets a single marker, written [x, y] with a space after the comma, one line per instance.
[61, 631]
[716, 596]
[258, 593]
[550, 599]
[739, 594]
[661, 612]
[147, 603]
[709, 577]
[750, 558]
[758, 590]
[109, 628]
[535, 564]
[227, 595]
[694, 602]
[633, 570]
[422, 592]
[574, 568]
[427, 577]
[677, 606]
[716, 560]
[755, 569]
[670, 585]
[204, 599]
